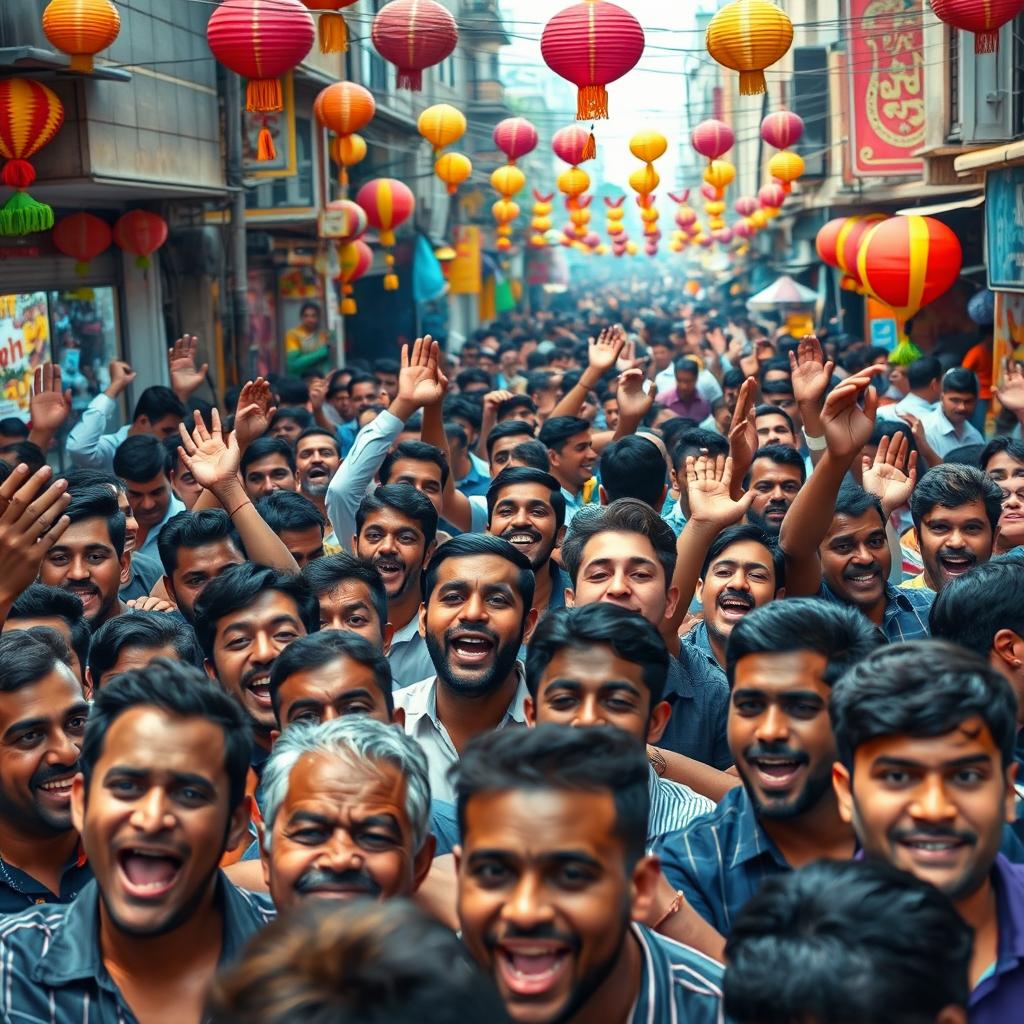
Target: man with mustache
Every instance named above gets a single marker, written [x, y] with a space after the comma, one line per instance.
[925, 734]
[776, 476]
[346, 813]
[476, 613]
[317, 459]
[43, 712]
[782, 662]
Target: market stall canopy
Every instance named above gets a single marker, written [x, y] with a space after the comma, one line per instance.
[783, 292]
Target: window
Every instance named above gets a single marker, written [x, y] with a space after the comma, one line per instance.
[953, 77]
[296, 190]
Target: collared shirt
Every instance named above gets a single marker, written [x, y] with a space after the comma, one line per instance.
[51, 965]
[87, 445]
[19, 890]
[673, 806]
[346, 432]
[918, 582]
[707, 383]
[906, 612]
[720, 861]
[149, 546]
[475, 481]
[943, 436]
[422, 723]
[575, 502]
[408, 655]
[674, 516]
[999, 996]
[910, 403]
[696, 409]
[678, 984]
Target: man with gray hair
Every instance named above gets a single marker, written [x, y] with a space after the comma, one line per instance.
[347, 813]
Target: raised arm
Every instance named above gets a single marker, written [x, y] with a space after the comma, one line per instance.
[811, 375]
[49, 406]
[87, 443]
[634, 402]
[602, 355]
[743, 436]
[186, 378]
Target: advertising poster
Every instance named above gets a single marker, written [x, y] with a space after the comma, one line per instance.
[1004, 229]
[24, 345]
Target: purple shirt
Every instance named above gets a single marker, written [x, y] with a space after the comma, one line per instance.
[696, 409]
[999, 998]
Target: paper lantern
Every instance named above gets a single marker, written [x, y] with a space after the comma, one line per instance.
[648, 146]
[572, 144]
[30, 116]
[719, 174]
[441, 125]
[388, 203]
[353, 217]
[573, 182]
[591, 44]
[508, 180]
[81, 28]
[712, 139]
[82, 237]
[346, 152]
[908, 262]
[344, 108]
[782, 129]
[413, 35]
[746, 205]
[453, 169]
[354, 260]
[515, 137]
[644, 180]
[140, 233]
[852, 233]
[982, 17]
[771, 196]
[505, 211]
[331, 27]
[741, 229]
[749, 36]
[686, 216]
[714, 209]
[786, 167]
[827, 240]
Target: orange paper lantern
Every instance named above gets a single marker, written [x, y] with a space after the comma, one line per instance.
[749, 36]
[81, 28]
[344, 108]
[140, 233]
[453, 169]
[441, 125]
[83, 237]
[851, 234]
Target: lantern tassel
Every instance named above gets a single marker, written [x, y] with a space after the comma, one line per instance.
[143, 262]
[265, 145]
[333, 33]
[81, 268]
[18, 174]
[264, 94]
[391, 282]
[411, 79]
[23, 215]
[986, 41]
[387, 237]
[752, 83]
[348, 307]
[590, 149]
[592, 103]
[82, 62]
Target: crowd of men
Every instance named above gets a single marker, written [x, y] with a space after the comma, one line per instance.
[637, 662]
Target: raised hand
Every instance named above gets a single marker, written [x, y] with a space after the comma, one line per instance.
[494, 398]
[419, 380]
[317, 393]
[708, 484]
[634, 402]
[891, 475]
[253, 412]
[151, 604]
[627, 358]
[181, 362]
[50, 405]
[810, 371]
[743, 430]
[1011, 392]
[210, 459]
[603, 353]
[847, 426]
[121, 375]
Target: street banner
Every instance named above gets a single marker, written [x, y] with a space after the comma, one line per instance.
[465, 275]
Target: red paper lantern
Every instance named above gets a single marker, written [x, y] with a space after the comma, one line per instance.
[354, 259]
[572, 144]
[388, 203]
[140, 233]
[515, 137]
[827, 241]
[771, 196]
[591, 44]
[353, 220]
[851, 234]
[83, 237]
[982, 17]
[712, 139]
[413, 35]
[782, 129]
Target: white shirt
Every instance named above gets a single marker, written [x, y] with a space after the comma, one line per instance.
[408, 655]
[423, 725]
[87, 445]
[942, 435]
[909, 403]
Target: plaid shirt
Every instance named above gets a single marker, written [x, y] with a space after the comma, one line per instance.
[906, 612]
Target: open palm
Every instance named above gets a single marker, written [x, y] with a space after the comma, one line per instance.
[207, 456]
[50, 405]
[708, 483]
[181, 363]
[253, 412]
[1011, 393]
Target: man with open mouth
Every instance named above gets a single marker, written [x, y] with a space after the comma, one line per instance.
[160, 797]
[317, 459]
[552, 872]
[776, 476]
[925, 733]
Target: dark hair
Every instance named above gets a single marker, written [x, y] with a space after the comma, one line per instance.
[407, 501]
[179, 690]
[921, 372]
[192, 530]
[892, 428]
[320, 649]
[1013, 448]
[951, 485]
[781, 455]
[156, 402]
[633, 467]
[85, 476]
[327, 573]
[243, 585]
[472, 375]
[923, 688]
[468, 545]
[846, 942]
[532, 454]
[363, 378]
[627, 515]
[386, 365]
[291, 391]
[525, 475]
[11, 426]
[742, 533]
[961, 380]
[686, 365]
[733, 378]
[562, 758]
[853, 501]
[26, 658]
[39, 601]
[507, 428]
[289, 510]
[141, 629]
[693, 441]
[540, 380]
[837, 631]
[99, 502]
[456, 434]
[775, 410]
[628, 634]
[141, 457]
[171, 445]
[318, 431]
[777, 387]
[558, 430]
[464, 407]
[419, 451]
[309, 305]
[302, 417]
[970, 609]
[54, 640]
[29, 453]
[263, 448]
[510, 405]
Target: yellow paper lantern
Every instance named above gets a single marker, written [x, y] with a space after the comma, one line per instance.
[714, 208]
[580, 218]
[759, 219]
[632, 248]
[505, 211]
[720, 174]
[573, 182]
[644, 180]
[786, 167]
[749, 36]
[650, 215]
[453, 169]
[441, 125]
[648, 146]
[508, 180]
[346, 152]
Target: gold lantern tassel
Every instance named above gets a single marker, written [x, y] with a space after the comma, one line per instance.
[348, 304]
[390, 278]
[265, 145]
[590, 149]
[592, 103]
[752, 83]
[333, 33]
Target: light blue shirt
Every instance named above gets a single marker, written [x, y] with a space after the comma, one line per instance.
[942, 435]
[149, 547]
[87, 445]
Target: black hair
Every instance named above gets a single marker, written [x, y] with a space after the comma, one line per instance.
[838, 632]
[558, 430]
[11, 426]
[464, 407]
[156, 402]
[923, 688]
[733, 378]
[26, 658]
[634, 467]
[309, 305]
[951, 485]
[777, 387]
[562, 758]
[456, 434]
[970, 609]
[684, 364]
[318, 431]
[302, 417]
[386, 365]
[243, 585]
[628, 634]
[141, 629]
[193, 530]
[327, 573]
[40, 601]
[921, 372]
[54, 640]
[420, 451]
[179, 690]
[171, 444]
[510, 405]
[532, 454]
[627, 515]
[141, 457]
[960, 379]
[1014, 449]
[468, 545]
[99, 502]
[781, 455]
[289, 510]
[846, 942]
[320, 649]
[472, 375]
[363, 378]
[264, 447]
[507, 428]
[775, 410]
[291, 391]
[853, 501]
[84, 476]
[885, 427]
[525, 475]
[407, 501]
[29, 453]
[739, 534]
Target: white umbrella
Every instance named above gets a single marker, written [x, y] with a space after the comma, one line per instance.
[784, 292]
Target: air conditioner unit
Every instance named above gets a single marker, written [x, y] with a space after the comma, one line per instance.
[987, 93]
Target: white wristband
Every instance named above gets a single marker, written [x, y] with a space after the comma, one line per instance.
[815, 444]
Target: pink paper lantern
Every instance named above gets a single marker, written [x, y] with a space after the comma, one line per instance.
[571, 144]
[782, 129]
[746, 205]
[741, 229]
[709, 192]
[712, 139]
[771, 196]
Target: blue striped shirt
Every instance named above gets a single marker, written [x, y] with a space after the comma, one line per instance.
[906, 612]
[673, 806]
